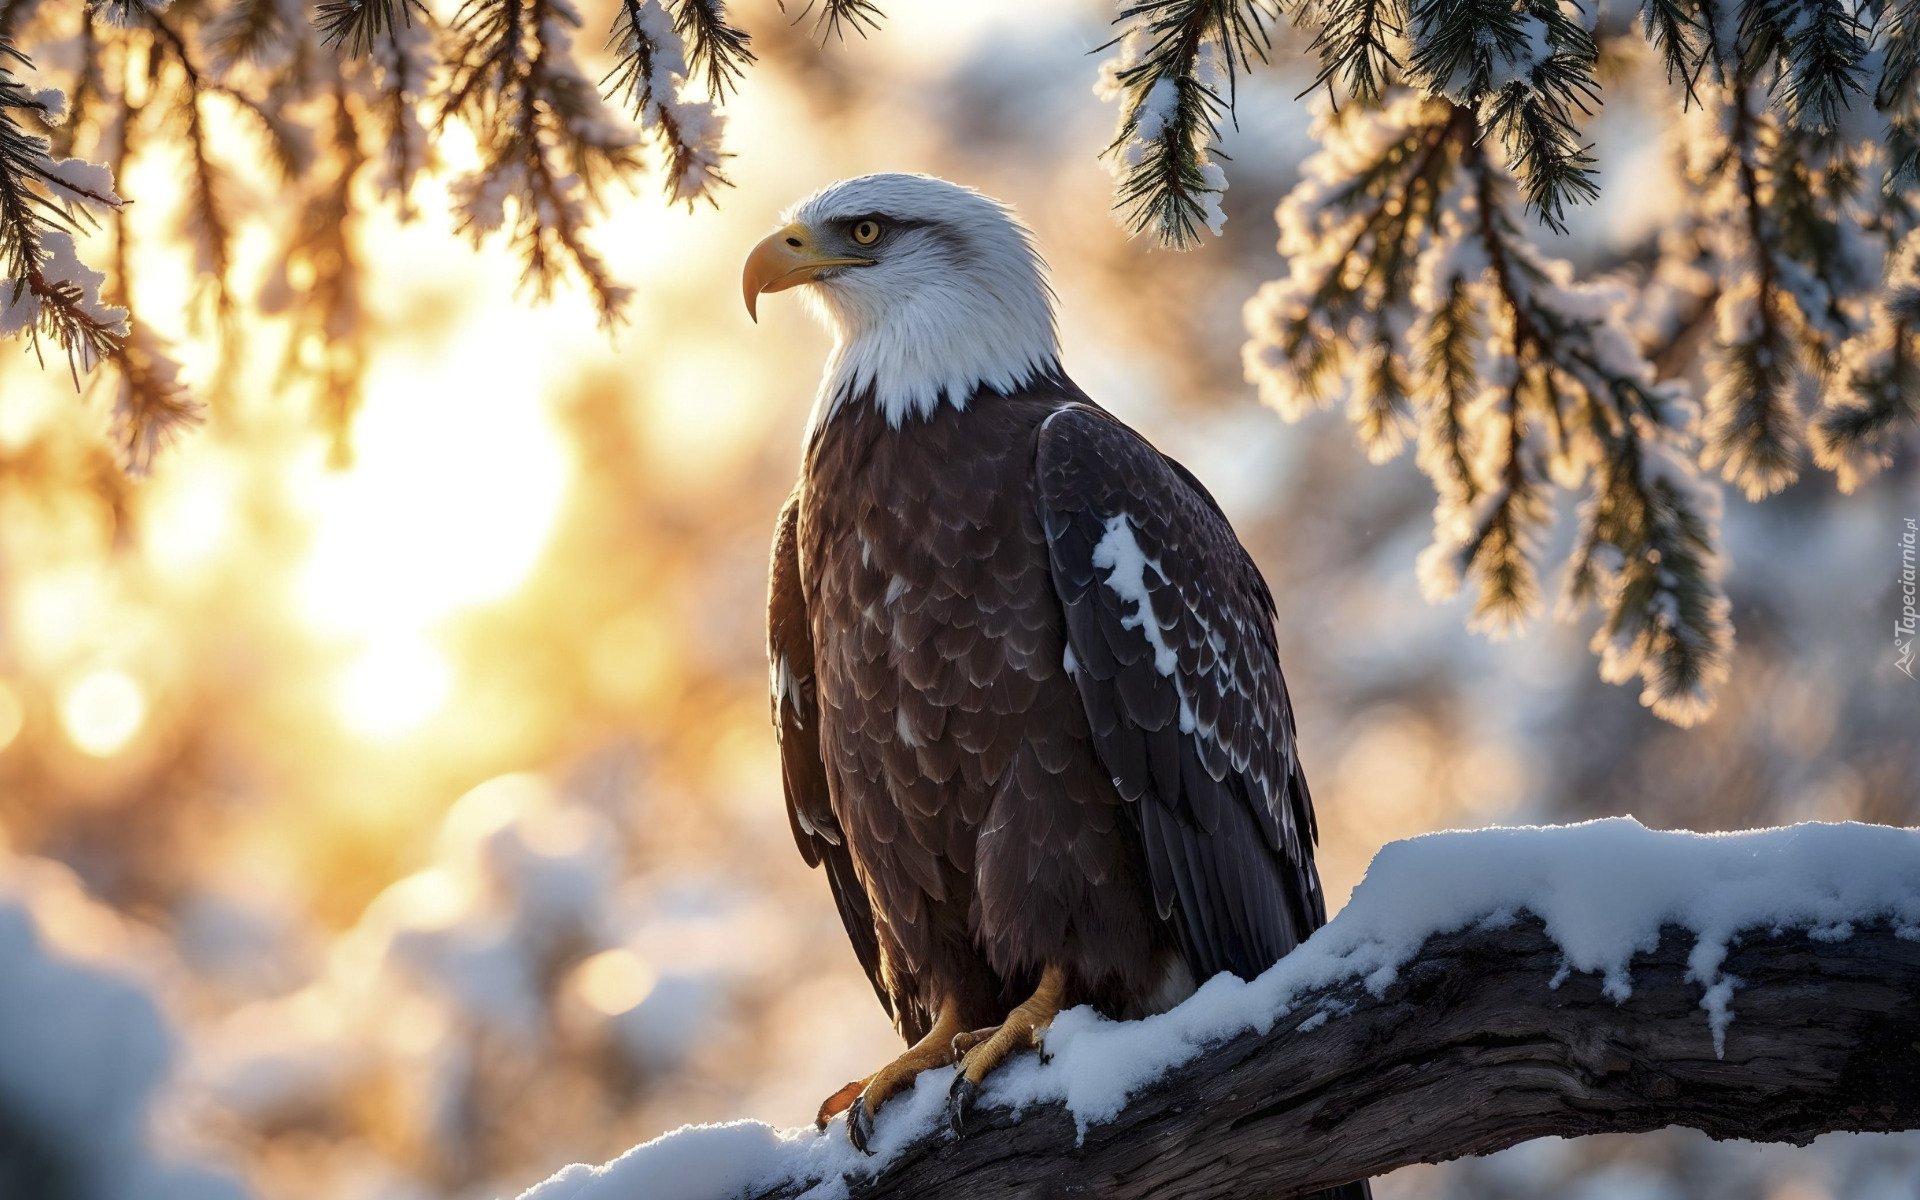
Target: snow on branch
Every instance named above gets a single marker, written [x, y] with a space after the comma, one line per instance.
[547, 143]
[45, 290]
[1479, 989]
[1879, 380]
[1417, 292]
[1412, 276]
[654, 76]
[1173, 79]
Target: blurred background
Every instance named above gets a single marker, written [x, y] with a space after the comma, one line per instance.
[406, 829]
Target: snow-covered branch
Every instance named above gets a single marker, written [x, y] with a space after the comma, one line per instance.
[1480, 989]
[45, 290]
[1412, 274]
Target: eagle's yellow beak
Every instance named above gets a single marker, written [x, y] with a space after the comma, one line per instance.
[787, 258]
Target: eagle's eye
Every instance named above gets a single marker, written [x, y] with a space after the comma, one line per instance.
[866, 232]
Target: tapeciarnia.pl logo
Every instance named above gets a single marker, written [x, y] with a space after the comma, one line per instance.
[1904, 641]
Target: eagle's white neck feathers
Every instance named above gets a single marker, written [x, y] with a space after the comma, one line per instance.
[957, 299]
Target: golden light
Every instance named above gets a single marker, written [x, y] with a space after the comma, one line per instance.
[430, 899]
[697, 442]
[393, 687]
[103, 711]
[13, 715]
[26, 412]
[458, 477]
[57, 611]
[190, 509]
[613, 981]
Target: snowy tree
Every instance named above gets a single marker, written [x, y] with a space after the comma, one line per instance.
[1449, 128]
[349, 97]
[1774, 322]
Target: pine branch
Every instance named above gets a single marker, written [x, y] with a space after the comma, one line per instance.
[1820, 47]
[327, 343]
[1381, 407]
[126, 14]
[1684, 45]
[1450, 377]
[402, 63]
[1526, 68]
[254, 33]
[45, 290]
[1752, 421]
[652, 73]
[1174, 79]
[1544, 144]
[838, 16]
[206, 218]
[1354, 46]
[1498, 535]
[717, 51]
[1646, 558]
[1874, 395]
[356, 26]
[1898, 31]
[151, 405]
[1353, 232]
[546, 143]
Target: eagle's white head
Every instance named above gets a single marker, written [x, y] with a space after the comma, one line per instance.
[931, 290]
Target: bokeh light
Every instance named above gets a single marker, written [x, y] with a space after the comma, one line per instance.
[394, 685]
[102, 711]
[614, 981]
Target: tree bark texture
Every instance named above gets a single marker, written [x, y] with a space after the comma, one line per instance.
[1474, 1049]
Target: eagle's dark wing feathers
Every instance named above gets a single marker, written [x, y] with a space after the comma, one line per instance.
[796, 721]
[1190, 715]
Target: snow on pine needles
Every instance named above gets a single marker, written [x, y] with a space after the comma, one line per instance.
[1604, 891]
[1417, 292]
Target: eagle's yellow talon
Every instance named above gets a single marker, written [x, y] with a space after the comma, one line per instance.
[1020, 1031]
[933, 1050]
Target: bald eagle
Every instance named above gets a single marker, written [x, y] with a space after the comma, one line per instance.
[1024, 676]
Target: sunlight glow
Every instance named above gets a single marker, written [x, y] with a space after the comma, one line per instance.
[458, 478]
[191, 516]
[614, 981]
[430, 899]
[393, 687]
[103, 711]
[56, 611]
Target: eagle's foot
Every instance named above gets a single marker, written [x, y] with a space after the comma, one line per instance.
[933, 1050]
[984, 1055]
[837, 1103]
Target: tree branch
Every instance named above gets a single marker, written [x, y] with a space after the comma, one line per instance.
[1483, 1041]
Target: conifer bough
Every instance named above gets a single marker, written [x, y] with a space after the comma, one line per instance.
[1775, 319]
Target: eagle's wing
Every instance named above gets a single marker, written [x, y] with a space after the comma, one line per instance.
[1171, 643]
[796, 722]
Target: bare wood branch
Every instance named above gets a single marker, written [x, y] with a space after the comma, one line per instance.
[1475, 1049]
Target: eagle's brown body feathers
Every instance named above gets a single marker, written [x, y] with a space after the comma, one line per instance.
[998, 766]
